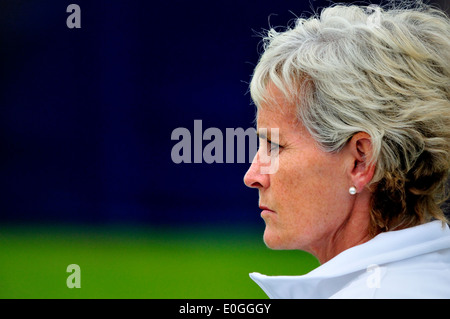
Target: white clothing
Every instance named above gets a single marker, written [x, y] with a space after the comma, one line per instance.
[408, 263]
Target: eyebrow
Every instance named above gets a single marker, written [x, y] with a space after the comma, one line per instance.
[266, 137]
[260, 135]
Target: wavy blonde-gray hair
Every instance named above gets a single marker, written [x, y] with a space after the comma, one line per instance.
[383, 71]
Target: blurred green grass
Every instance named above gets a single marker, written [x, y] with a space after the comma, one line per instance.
[139, 262]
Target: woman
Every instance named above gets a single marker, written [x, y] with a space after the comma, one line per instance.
[360, 99]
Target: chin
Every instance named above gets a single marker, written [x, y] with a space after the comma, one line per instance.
[279, 240]
[273, 240]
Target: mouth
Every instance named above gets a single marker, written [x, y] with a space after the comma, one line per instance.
[266, 210]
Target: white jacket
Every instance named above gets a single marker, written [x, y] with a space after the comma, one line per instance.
[408, 263]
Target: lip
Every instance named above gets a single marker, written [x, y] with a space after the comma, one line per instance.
[265, 209]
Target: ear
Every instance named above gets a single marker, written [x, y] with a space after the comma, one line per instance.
[362, 170]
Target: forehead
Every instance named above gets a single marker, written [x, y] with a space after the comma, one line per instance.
[276, 110]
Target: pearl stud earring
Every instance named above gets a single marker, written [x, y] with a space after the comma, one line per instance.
[352, 190]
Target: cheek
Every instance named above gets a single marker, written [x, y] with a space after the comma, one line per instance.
[299, 186]
[292, 199]
[308, 201]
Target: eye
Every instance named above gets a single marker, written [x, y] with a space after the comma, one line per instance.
[267, 146]
[272, 146]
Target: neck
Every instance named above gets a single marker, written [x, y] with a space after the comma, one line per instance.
[353, 231]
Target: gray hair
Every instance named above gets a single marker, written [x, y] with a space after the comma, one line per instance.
[383, 71]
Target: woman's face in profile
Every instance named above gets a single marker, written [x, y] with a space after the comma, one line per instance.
[306, 200]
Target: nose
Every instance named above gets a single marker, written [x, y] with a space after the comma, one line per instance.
[253, 178]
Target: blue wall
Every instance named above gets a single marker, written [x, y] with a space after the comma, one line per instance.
[86, 114]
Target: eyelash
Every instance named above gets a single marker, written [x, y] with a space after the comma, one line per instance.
[273, 145]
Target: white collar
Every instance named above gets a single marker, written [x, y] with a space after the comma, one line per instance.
[330, 277]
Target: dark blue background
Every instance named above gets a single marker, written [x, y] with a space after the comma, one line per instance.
[86, 114]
